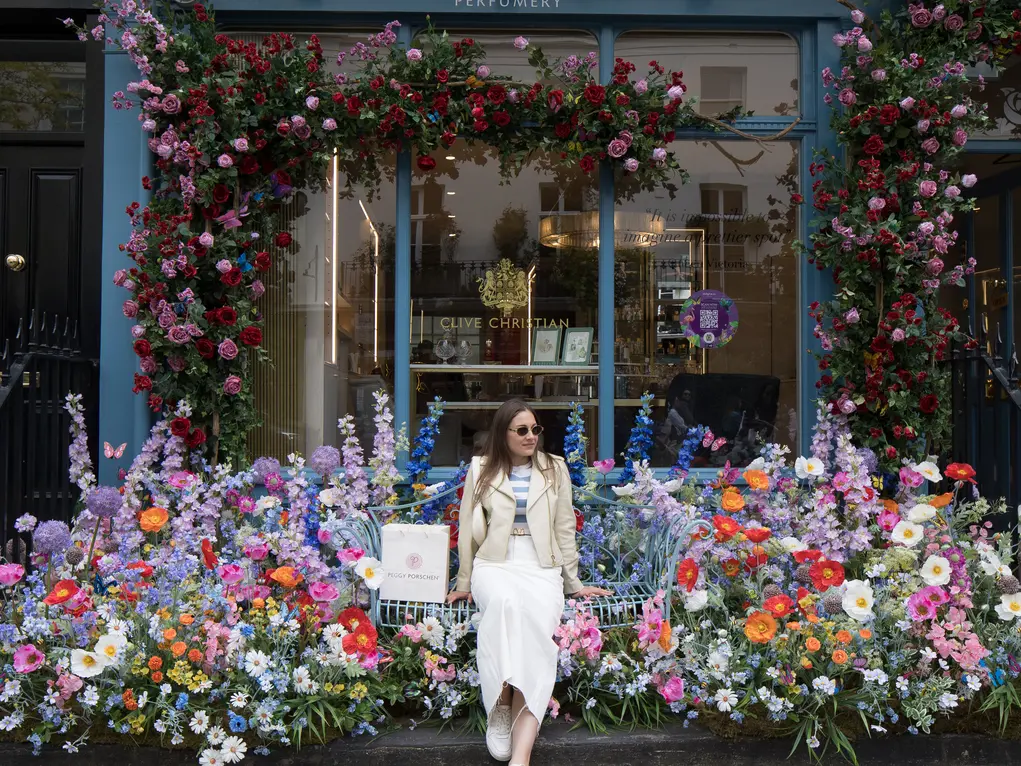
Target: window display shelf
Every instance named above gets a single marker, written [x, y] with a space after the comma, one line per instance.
[527, 369]
[545, 405]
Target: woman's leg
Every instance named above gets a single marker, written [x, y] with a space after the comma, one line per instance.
[506, 696]
[526, 728]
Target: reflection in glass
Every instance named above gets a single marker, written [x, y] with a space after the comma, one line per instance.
[756, 72]
[42, 96]
[732, 229]
[1002, 92]
[484, 277]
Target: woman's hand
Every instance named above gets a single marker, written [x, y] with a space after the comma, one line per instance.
[590, 590]
[458, 595]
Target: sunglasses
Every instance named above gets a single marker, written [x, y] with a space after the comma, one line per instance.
[522, 431]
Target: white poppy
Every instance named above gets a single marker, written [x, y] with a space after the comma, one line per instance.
[792, 544]
[267, 503]
[929, 470]
[805, 467]
[626, 491]
[673, 485]
[921, 512]
[907, 533]
[696, 600]
[330, 497]
[87, 664]
[936, 571]
[858, 600]
[111, 646]
[1009, 607]
[432, 489]
[991, 565]
[370, 570]
[758, 464]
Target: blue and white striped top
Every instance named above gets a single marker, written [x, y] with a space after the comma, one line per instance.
[520, 478]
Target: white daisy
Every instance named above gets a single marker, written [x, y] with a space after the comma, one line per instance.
[432, 631]
[256, 663]
[199, 722]
[725, 700]
[211, 757]
[233, 749]
[216, 736]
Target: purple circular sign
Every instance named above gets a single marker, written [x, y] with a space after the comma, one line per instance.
[709, 319]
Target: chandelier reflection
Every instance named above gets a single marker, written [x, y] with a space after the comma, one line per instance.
[581, 229]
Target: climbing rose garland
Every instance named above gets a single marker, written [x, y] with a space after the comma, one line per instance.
[236, 128]
[903, 111]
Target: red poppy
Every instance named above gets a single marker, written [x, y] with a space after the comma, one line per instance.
[62, 591]
[731, 567]
[826, 574]
[144, 569]
[725, 527]
[960, 472]
[758, 534]
[362, 641]
[803, 556]
[779, 606]
[352, 617]
[207, 554]
[687, 574]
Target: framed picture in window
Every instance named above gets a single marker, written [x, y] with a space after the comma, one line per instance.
[577, 346]
[545, 345]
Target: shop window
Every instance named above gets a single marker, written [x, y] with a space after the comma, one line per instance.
[722, 88]
[731, 230]
[1002, 92]
[42, 96]
[504, 290]
[756, 71]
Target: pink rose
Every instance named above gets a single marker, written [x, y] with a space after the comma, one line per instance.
[241, 144]
[960, 137]
[312, 103]
[959, 111]
[673, 690]
[257, 289]
[935, 266]
[520, 43]
[179, 335]
[928, 188]
[920, 16]
[907, 103]
[232, 385]
[414, 54]
[952, 192]
[224, 161]
[206, 239]
[228, 349]
[28, 658]
[329, 124]
[953, 23]
[617, 148]
[626, 137]
[969, 180]
[323, 591]
[852, 316]
[482, 72]
[130, 309]
[641, 86]
[630, 164]
[257, 552]
[930, 146]
[231, 573]
[171, 104]
[350, 556]
[11, 573]
[897, 335]
[864, 44]
[223, 266]
[147, 364]
[847, 97]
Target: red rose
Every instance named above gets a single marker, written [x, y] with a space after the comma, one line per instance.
[180, 426]
[143, 347]
[283, 127]
[929, 404]
[221, 193]
[496, 94]
[283, 239]
[262, 261]
[480, 125]
[142, 383]
[501, 118]
[587, 163]
[196, 438]
[249, 165]
[595, 94]
[260, 99]
[155, 404]
[555, 99]
[889, 114]
[562, 129]
[251, 336]
[442, 76]
[283, 178]
[874, 146]
[227, 316]
[426, 163]
[232, 278]
[205, 348]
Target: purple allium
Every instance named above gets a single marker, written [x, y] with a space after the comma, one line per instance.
[264, 466]
[104, 502]
[325, 460]
[51, 537]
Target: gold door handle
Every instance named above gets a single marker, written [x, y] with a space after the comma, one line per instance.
[15, 262]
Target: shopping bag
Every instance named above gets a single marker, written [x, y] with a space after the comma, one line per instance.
[416, 559]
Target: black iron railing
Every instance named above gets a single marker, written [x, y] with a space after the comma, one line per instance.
[987, 419]
[39, 367]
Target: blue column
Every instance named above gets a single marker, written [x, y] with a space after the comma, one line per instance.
[604, 446]
[123, 416]
[817, 51]
[402, 285]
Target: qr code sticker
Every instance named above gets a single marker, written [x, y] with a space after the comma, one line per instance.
[709, 319]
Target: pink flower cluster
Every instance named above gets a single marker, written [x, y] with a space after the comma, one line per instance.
[580, 636]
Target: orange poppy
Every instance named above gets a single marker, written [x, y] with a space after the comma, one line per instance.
[287, 576]
[153, 519]
[812, 644]
[665, 636]
[793, 626]
[731, 567]
[891, 505]
[725, 527]
[756, 479]
[942, 501]
[687, 574]
[760, 628]
[732, 502]
[839, 656]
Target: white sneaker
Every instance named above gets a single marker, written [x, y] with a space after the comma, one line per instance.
[498, 733]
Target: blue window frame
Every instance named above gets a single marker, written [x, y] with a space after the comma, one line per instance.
[810, 23]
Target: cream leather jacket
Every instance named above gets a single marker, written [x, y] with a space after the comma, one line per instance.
[551, 522]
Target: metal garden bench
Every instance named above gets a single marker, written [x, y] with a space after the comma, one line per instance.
[626, 548]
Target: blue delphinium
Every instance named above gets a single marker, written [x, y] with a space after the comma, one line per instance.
[576, 446]
[640, 441]
[425, 441]
[687, 451]
[432, 511]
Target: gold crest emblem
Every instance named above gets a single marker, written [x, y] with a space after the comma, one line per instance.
[504, 288]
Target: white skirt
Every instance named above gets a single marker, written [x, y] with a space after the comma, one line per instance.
[521, 604]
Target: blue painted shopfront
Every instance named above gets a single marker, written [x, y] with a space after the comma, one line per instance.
[810, 23]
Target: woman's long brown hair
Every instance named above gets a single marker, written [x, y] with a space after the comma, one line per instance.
[496, 455]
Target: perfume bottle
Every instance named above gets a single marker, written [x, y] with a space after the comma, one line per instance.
[489, 356]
